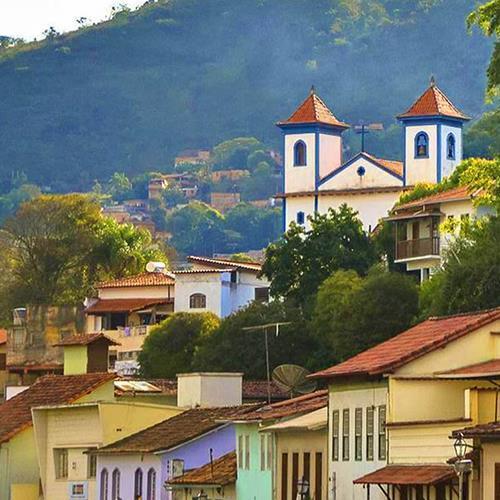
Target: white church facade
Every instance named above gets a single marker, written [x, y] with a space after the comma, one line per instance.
[316, 178]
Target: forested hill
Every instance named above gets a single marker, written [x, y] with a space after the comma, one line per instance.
[130, 93]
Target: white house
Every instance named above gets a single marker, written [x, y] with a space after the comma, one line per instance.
[317, 178]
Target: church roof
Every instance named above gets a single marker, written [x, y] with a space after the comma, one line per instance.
[313, 110]
[433, 102]
[394, 166]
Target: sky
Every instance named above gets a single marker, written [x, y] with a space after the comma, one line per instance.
[28, 19]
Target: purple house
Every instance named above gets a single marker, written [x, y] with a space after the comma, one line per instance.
[137, 466]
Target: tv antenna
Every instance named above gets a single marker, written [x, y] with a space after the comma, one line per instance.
[266, 327]
[293, 379]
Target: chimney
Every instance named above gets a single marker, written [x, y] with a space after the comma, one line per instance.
[206, 389]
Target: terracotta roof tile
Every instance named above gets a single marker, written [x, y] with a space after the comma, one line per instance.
[433, 102]
[85, 339]
[409, 474]
[124, 305]
[225, 263]
[219, 473]
[15, 414]
[3, 336]
[455, 194]
[144, 279]
[490, 430]
[491, 367]
[425, 337]
[176, 430]
[313, 110]
[295, 406]
[394, 166]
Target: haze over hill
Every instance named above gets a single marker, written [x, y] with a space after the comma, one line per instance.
[129, 94]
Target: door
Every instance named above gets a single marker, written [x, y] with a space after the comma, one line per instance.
[497, 481]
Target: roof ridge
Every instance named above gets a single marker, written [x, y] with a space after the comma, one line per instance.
[470, 313]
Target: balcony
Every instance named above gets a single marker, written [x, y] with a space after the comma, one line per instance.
[421, 247]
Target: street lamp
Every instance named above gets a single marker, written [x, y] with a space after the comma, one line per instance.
[462, 466]
[303, 488]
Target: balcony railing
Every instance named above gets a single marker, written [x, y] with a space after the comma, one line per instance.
[408, 249]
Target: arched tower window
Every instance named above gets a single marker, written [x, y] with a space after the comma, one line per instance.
[299, 154]
[138, 484]
[197, 301]
[421, 145]
[151, 490]
[115, 485]
[450, 147]
[301, 218]
[104, 485]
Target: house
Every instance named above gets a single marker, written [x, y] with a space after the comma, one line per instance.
[224, 201]
[156, 187]
[193, 156]
[3, 361]
[216, 479]
[126, 309]
[261, 472]
[317, 178]
[420, 242]
[19, 466]
[393, 407]
[143, 462]
[221, 286]
[232, 175]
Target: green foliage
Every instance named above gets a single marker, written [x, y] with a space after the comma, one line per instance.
[482, 139]
[234, 154]
[119, 187]
[173, 196]
[470, 276]
[353, 314]
[257, 157]
[11, 201]
[483, 175]
[170, 348]
[261, 185]
[303, 258]
[109, 108]
[223, 350]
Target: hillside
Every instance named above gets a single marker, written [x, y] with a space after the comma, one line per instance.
[131, 93]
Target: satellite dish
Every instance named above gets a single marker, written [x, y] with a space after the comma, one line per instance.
[155, 267]
[292, 379]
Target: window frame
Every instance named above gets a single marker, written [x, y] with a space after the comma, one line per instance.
[298, 162]
[382, 433]
[103, 484]
[335, 435]
[151, 484]
[451, 136]
[61, 459]
[358, 434]
[193, 301]
[138, 483]
[370, 433]
[91, 464]
[346, 424]
[115, 484]
[261, 294]
[247, 451]
[300, 218]
[427, 143]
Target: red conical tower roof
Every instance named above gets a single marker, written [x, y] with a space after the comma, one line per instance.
[434, 102]
[313, 110]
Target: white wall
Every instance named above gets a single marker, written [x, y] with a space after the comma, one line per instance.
[450, 165]
[299, 204]
[137, 292]
[299, 178]
[330, 153]
[349, 178]
[209, 284]
[347, 471]
[420, 169]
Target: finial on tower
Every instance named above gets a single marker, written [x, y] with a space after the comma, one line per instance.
[313, 90]
[432, 81]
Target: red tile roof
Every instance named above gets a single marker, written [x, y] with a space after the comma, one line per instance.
[455, 194]
[85, 339]
[144, 279]
[313, 110]
[15, 414]
[176, 430]
[219, 473]
[409, 474]
[487, 368]
[490, 430]
[3, 336]
[433, 102]
[225, 263]
[421, 339]
[394, 166]
[124, 305]
[295, 406]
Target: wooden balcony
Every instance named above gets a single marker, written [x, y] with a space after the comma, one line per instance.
[408, 249]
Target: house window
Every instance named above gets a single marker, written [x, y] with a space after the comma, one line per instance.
[151, 489]
[244, 451]
[361, 171]
[138, 484]
[358, 434]
[240, 452]
[382, 445]
[247, 452]
[61, 463]
[319, 476]
[284, 476]
[345, 434]
[262, 294]
[115, 485]
[450, 147]
[104, 485]
[299, 154]
[301, 217]
[198, 301]
[266, 451]
[369, 432]
[335, 435]
[177, 466]
[421, 145]
[263, 451]
[91, 463]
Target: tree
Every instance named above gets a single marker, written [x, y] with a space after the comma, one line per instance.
[11, 201]
[487, 17]
[261, 185]
[173, 196]
[170, 347]
[484, 176]
[303, 258]
[470, 276]
[234, 153]
[196, 229]
[353, 313]
[482, 138]
[119, 186]
[223, 350]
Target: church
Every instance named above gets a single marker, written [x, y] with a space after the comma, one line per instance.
[317, 178]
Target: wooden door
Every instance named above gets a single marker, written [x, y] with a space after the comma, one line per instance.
[497, 481]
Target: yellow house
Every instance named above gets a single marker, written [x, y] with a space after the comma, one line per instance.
[19, 472]
[66, 435]
[393, 407]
